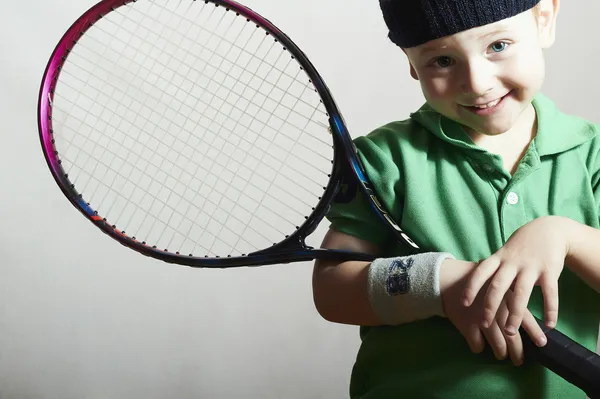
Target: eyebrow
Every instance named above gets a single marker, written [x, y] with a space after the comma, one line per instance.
[432, 48]
[501, 29]
[429, 49]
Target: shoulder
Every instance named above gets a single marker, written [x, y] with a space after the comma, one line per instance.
[560, 132]
[392, 140]
[392, 154]
[391, 132]
[568, 142]
[579, 136]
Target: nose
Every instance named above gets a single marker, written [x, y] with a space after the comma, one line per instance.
[477, 78]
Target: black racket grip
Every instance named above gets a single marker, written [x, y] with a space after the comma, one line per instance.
[567, 358]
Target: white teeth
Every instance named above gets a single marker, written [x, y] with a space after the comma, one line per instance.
[488, 105]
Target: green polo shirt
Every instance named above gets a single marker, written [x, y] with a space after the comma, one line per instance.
[450, 195]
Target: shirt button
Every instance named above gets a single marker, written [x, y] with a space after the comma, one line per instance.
[512, 198]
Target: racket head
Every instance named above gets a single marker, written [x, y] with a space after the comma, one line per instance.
[290, 247]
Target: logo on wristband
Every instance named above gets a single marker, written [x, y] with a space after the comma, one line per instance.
[398, 281]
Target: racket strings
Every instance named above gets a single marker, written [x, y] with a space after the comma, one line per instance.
[128, 178]
[220, 111]
[144, 171]
[215, 165]
[273, 184]
[241, 48]
[232, 43]
[164, 203]
[117, 170]
[170, 220]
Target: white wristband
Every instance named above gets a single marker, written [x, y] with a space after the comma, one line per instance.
[406, 289]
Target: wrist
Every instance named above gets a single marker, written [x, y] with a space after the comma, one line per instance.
[452, 272]
[565, 227]
[573, 236]
[405, 289]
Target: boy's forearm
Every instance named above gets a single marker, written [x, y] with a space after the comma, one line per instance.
[583, 256]
[340, 293]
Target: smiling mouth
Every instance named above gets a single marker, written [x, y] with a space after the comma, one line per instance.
[487, 108]
[488, 105]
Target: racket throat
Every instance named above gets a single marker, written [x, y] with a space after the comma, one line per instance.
[293, 243]
[293, 249]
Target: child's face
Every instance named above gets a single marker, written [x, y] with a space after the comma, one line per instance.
[499, 66]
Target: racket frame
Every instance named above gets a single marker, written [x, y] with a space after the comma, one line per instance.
[293, 247]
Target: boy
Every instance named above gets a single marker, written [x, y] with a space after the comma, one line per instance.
[499, 184]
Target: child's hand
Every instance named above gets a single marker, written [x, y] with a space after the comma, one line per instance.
[534, 255]
[454, 275]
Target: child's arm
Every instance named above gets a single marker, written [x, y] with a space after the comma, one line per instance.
[340, 290]
[359, 293]
[583, 256]
[340, 294]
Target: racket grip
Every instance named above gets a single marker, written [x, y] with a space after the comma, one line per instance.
[567, 358]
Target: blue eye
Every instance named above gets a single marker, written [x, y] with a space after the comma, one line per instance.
[499, 47]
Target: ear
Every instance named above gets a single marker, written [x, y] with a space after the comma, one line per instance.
[546, 20]
[413, 71]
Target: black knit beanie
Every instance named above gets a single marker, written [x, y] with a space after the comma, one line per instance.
[414, 22]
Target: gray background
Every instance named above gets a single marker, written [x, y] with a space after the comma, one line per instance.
[83, 317]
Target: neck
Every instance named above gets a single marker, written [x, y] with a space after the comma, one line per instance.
[512, 144]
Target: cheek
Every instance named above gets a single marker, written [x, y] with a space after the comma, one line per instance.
[527, 72]
[436, 89]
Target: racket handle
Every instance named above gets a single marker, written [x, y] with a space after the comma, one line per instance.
[567, 358]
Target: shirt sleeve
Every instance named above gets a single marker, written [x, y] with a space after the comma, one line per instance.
[593, 165]
[350, 212]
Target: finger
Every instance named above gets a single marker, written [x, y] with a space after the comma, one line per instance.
[474, 338]
[533, 330]
[514, 344]
[518, 300]
[496, 340]
[496, 292]
[502, 314]
[549, 287]
[478, 278]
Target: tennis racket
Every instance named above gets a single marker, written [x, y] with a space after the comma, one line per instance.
[198, 133]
